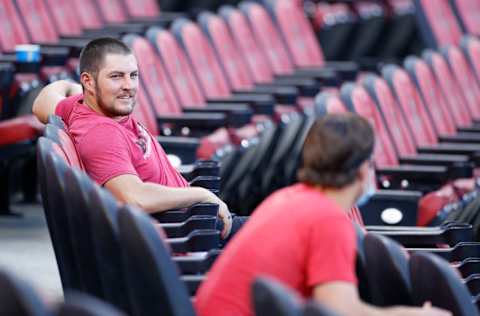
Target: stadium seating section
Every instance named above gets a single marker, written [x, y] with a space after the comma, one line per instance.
[230, 93]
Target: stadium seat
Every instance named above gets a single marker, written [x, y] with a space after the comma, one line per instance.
[437, 32]
[433, 280]
[164, 97]
[333, 23]
[270, 296]
[315, 309]
[156, 271]
[418, 117]
[17, 298]
[451, 89]
[77, 304]
[102, 218]
[432, 96]
[465, 77]
[236, 71]
[386, 160]
[387, 269]
[77, 196]
[467, 12]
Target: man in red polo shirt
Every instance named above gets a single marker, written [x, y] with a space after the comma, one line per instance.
[301, 235]
[118, 152]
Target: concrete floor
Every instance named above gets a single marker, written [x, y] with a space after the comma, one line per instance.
[26, 250]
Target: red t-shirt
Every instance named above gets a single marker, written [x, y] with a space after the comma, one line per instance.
[297, 236]
[109, 148]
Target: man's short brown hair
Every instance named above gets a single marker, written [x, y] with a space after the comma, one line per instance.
[335, 148]
[93, 54]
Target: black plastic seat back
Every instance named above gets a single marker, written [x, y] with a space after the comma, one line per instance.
[51, 132]
[55, 170]
[78, 304]
[154, 281]
[57, 121]
[108, 251]
[17, 298]
[315, 309]
[272, 298]
[274, 176]
[434, 280]
[364, 288]
[296, 156]
[387, 268]
[77, 190]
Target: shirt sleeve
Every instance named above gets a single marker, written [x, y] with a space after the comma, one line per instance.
[65, 107]
[105, 153]
[331, 252]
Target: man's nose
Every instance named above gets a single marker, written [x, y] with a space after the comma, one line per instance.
[128, 83]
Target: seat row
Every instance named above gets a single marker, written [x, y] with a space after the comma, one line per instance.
[94, 253]
[18, 298]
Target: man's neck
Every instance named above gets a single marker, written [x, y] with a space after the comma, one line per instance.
[90, 101]
[345, 197]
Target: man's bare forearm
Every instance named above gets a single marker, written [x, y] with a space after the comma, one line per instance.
[48, 98]
[153, 197]
[157, 198]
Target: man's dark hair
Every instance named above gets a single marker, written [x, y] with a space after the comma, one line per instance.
[93, 54]
[335, 148]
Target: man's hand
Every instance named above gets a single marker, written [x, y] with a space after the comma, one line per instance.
[427, 310]
[223, 213]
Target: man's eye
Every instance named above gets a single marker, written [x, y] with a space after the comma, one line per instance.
[115, 76]
[134, 75]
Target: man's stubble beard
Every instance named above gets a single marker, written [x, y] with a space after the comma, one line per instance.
[111, 111]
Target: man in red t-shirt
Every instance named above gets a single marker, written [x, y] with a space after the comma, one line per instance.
[118, 152]
[301, 235]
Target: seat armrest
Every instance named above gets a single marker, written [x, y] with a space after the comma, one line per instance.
[181, 215]
[54, 55]
[472, 150]
[325, 77]
[165, 19]
[391, 207]
[458, 253]
[199, 240]
[182, 229]
[282, 95]
[412, 177]
[185, 148]
[72, 47]
[306, 87]
[430, 237]
[347, 70]
[237, 114]
[459, 166]
[196, 263]
[208, 182]
[473, 138]
[469, 129]
[259, 103]
[201, 168]
[202, 121]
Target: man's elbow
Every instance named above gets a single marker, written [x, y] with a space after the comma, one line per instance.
[37, 111]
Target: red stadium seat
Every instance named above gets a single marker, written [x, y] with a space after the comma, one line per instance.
[437, 31]
[468, 14]
[450, 88]
[466, 79]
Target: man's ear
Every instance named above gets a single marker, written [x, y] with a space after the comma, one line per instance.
[363, 171]
[88, 82]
